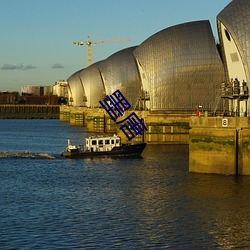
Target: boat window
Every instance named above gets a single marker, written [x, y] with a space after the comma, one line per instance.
[100, 142]
[117, 141]
[93, 142]
[107, 142]
[112, 141]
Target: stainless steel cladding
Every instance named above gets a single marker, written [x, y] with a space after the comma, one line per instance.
[180, 67]
[234, 32]
[93, 85]
[75, 90]
[175, 70]
[119, 71]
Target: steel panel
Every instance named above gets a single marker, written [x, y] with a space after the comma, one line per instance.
[76, 91]
[93, 85]
[119, 71]
[182, 66]
[236, 18]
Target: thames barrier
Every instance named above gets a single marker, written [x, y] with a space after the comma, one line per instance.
[186, 87]
[172, 76]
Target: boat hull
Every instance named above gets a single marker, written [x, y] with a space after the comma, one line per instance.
[127, 150]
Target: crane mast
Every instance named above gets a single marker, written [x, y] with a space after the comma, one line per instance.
[89, 43]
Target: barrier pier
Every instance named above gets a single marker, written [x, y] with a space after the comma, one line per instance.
[162, 128]
[219, 145]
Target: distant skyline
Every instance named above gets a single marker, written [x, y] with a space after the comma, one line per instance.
[36, 35]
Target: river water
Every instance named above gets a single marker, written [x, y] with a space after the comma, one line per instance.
[150, 203]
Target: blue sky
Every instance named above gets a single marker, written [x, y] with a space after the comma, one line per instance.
[36, 35]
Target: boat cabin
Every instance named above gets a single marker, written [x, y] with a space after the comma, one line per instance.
[106, 143]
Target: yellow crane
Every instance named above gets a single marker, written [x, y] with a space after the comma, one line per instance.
[89, 43]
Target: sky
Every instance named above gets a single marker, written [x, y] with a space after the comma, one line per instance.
[36, 35]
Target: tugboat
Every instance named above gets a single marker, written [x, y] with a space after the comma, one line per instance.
[103, 146]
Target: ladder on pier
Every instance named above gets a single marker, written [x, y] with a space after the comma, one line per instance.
[217, 101]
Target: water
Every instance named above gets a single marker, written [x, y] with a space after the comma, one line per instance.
[148, 203]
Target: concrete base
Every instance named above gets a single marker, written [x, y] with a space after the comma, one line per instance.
[64, 114]
[162, 128]
[219, 145]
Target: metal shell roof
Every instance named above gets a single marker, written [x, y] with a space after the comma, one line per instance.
[236, 18]
[182, 67]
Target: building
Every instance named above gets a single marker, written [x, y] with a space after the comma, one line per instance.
[37, 90]
[38, 95]
[9, 97]
[60, 89]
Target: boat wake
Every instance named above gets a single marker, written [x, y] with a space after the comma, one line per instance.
[26, 154]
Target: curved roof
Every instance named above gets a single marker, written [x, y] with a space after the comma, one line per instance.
[76, 91]
[119, 71]
[181, 67]
[93, 85]
[236, 18]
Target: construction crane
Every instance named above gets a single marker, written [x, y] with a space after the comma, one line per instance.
[89, 43]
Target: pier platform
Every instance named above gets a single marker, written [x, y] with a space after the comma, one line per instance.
[162, 128]
[219, 145]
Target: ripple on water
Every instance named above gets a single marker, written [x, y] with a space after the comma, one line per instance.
[145, 203]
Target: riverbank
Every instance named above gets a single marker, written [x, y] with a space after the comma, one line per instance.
[25, 111]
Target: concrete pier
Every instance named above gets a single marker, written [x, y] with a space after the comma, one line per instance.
[219, 145]
[162, 128]
[64, 113]
[96, 120]
[167, 129]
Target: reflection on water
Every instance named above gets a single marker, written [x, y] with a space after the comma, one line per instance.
[151, 202]
[223, 201]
